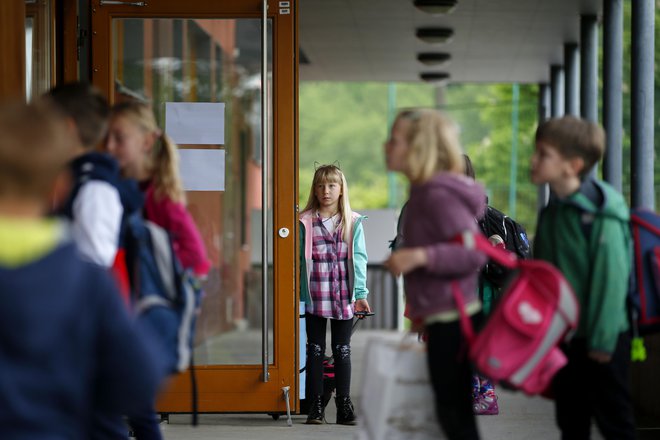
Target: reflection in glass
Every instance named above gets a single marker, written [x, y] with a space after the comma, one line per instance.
[38, 41]
[199, 60]
[29, 25]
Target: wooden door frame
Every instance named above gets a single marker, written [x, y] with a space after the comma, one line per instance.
[214, 393]
[12, 50]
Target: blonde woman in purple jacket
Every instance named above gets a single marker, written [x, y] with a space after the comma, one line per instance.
[443, 203]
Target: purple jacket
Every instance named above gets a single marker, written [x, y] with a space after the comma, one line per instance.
[437, 211]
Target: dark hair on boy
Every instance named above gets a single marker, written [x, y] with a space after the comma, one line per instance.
[88, 108]
[574, 137]
[34, 145]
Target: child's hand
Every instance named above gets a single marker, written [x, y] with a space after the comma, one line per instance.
[361, 305]
[600, 356]
[405, 260]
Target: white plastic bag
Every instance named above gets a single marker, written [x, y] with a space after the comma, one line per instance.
[396, 400]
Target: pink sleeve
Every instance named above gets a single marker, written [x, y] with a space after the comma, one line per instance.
[186, 239]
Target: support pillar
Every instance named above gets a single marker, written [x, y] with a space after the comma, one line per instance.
[642, 99]
[645, 377]
[572, 79]
[613, 91]
[589, 67]
[556, 91]
[543, 114]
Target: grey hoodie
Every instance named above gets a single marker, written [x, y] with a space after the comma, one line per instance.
[437, 211]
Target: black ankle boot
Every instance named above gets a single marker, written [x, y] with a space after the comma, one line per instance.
[345, 411]
[316, 415]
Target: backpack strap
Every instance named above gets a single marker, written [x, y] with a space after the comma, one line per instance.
[470, 240]
[464, 319]
[477, 241]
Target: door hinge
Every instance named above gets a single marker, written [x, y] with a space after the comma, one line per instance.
[122, 3]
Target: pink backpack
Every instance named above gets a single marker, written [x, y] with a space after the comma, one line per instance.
[518, 346]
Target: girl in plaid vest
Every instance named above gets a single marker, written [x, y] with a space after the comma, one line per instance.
[333, 285]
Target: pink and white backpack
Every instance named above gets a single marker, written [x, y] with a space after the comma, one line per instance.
[518, 346]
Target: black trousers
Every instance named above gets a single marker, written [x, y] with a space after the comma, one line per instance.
[451, 377]
[340, 331]
[584, 389]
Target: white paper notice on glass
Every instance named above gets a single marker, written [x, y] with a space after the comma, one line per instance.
[202, 170]
[195, 123]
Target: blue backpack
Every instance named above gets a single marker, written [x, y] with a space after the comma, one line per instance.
[164, 296]
[645, 278]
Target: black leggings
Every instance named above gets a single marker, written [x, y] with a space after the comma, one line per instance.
[341, 352]
[451, 377]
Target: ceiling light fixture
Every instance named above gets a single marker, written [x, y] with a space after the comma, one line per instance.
[434, 35]
[433, 58]
[434, 77]
[435, 7]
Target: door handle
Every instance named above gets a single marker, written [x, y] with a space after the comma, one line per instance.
[264, 189]
[283, 232]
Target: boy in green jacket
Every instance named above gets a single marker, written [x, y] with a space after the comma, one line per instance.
[584, 231]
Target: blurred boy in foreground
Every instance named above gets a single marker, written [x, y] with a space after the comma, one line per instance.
[67, 347]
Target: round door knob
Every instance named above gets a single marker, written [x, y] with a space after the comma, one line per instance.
[284, 232]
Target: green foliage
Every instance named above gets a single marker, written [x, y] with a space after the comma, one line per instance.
[348, 123]
[486, 128]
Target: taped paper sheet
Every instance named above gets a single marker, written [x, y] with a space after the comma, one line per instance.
[195, 123]
[202, 170]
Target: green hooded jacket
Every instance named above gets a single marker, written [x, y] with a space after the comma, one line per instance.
[587, 236]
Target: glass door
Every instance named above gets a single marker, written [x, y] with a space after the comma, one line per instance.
[220, 78]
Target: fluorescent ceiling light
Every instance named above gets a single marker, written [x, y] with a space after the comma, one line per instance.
[434, 35]
[434, 77]
[433, 58]
[435, 7]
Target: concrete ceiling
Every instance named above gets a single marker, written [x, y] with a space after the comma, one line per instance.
[494, 40]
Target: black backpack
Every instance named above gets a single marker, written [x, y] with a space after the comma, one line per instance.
[495, 222]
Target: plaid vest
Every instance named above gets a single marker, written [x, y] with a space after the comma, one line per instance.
[328, 285]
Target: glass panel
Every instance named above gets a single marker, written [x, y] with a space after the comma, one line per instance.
[37, 48]
[202, 60]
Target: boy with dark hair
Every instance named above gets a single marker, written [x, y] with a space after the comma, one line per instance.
[94, 207]
[100, 199]
[584, 231]
[67, 346]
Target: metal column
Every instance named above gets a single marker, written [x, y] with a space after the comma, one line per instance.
[643, 47]
[589, 67]
[572, 79]
[612, 91]
[556, 91]
[543, 114]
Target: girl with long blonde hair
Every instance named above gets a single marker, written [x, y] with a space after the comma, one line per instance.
[443, 203]
[145, 153]
[333, 285]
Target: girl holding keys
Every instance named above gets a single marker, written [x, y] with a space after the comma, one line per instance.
[149, 156]
[333, 272]
[443, 203]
